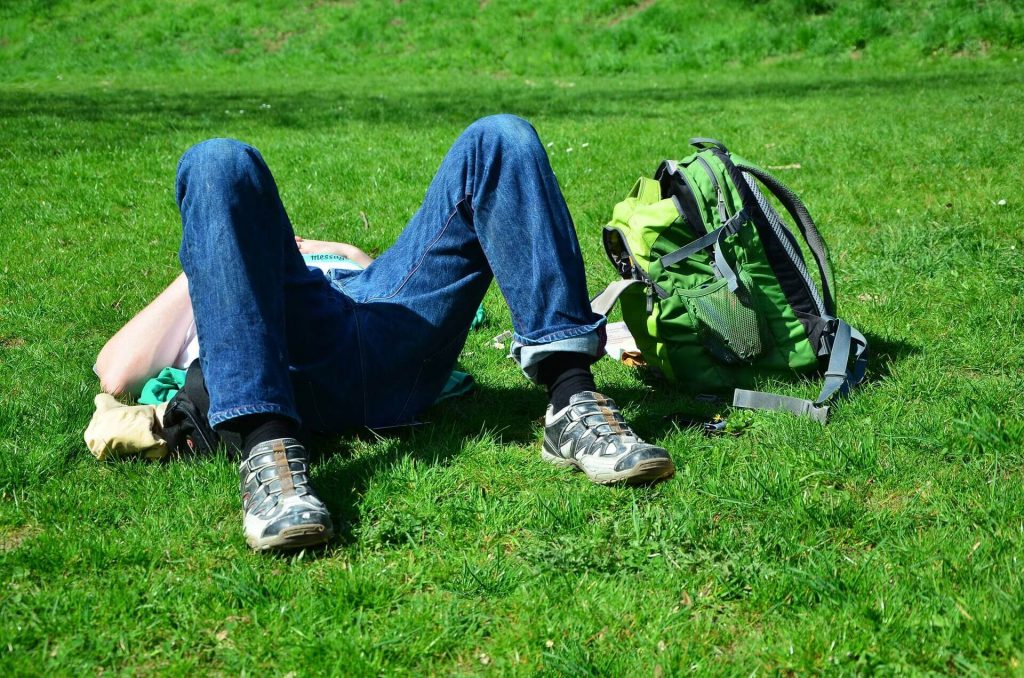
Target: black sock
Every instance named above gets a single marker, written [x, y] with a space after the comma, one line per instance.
[253, 429]
[565, 375]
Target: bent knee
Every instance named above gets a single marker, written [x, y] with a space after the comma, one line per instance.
[506, 129]
[218, 159]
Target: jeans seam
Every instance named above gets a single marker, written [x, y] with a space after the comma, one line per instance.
[419, 374]
[250, 408]
[423, 255]
[362, 361]
[579, 331]
[320, 420]
[412, 391]
[183, 254]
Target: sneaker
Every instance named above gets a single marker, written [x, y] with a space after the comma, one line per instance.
[591, 435]
[281, 511]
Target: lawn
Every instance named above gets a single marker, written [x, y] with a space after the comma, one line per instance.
[890, 540]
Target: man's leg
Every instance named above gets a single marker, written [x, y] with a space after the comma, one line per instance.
[257, 309]
[495, 207]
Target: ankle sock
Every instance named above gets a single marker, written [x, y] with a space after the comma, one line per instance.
[565, 375]
[253, 429]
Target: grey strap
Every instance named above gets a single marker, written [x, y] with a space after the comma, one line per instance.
[839, 379]
[725, 270]
[835, 374]
[605, 301]
[712, 239]
[691, 248]
[856, 373]
[759, 400]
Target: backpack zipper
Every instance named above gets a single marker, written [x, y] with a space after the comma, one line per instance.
[723, 214]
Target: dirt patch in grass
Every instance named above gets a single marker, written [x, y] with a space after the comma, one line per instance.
[12, 538]
[631, 11]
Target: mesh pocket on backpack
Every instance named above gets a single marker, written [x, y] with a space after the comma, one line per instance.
[728, 325]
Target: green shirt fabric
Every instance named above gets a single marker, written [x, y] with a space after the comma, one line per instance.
[162, 387]
[166, 385]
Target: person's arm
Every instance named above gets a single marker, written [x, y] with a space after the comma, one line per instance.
[148, 343]
[350, 252]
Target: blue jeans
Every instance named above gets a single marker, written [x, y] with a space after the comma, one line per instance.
[375, 347]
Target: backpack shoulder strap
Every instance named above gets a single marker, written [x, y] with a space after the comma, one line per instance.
[805, 223]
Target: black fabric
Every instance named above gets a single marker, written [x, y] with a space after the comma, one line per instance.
[675, 184]
[819, 333]
[565, 375]
[618, 252]
[185, 426]
[254, 429]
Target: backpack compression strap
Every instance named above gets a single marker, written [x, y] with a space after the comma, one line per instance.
[605, 301]
[685, 202]
[839, 379]
[712, 239]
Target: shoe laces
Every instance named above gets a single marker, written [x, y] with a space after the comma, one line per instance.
[606, 422]
[274, 471]
[602, 419]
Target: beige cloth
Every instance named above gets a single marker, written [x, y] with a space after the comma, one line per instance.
[117, 430]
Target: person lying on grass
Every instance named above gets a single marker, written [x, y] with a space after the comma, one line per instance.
[282, 345]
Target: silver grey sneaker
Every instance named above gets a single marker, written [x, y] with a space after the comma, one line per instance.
[281, 511]
[591, 435]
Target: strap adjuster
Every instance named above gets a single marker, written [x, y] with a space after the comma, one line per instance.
[735, 223]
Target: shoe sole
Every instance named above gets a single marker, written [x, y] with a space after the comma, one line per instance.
[297, 537]
[645, 472]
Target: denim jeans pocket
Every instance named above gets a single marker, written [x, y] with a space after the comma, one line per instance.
[341, 278]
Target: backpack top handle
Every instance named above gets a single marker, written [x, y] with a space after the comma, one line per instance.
[701, 143]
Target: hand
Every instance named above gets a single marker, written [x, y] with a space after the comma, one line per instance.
[351, 252]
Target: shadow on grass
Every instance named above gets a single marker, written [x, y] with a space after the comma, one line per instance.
[885, 353]
[509, 415]
[410, 103]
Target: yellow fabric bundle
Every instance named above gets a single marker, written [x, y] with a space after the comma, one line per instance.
[117, 430]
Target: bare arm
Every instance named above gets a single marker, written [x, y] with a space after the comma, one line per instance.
[148, 343]
[350, 252]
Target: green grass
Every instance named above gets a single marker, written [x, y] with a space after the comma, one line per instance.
[890, 540]
[117, 39]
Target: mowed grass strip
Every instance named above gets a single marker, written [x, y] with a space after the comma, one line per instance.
[888, 540]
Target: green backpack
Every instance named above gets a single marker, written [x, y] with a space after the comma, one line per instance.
[714, 286]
